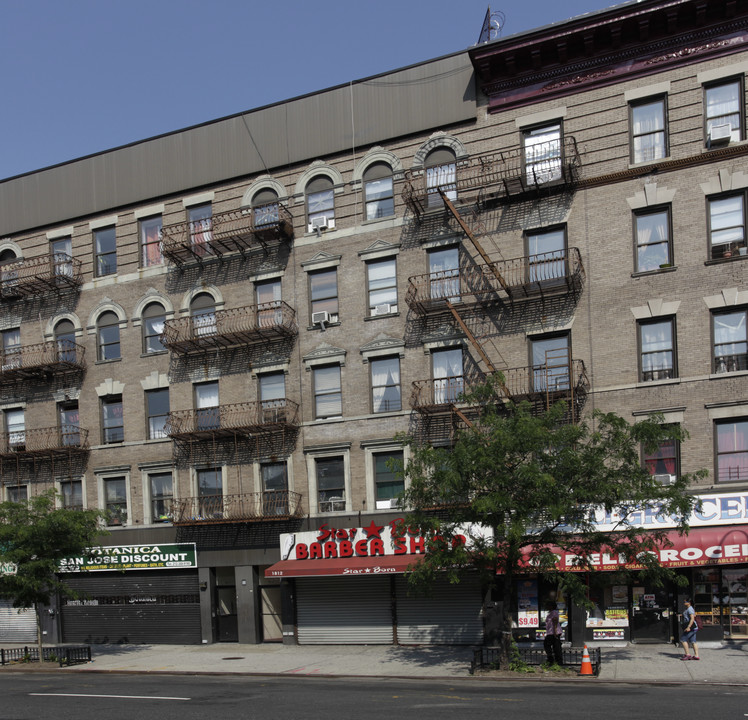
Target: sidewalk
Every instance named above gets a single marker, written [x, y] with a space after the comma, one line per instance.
[725, 664]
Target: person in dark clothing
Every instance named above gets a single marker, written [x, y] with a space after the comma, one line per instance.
[553, 633]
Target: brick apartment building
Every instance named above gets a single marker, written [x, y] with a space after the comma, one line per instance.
[217, 334]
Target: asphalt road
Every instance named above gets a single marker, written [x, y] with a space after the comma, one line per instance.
[178, 697]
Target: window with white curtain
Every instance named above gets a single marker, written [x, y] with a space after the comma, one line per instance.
[328, 398]
[447, 372]
[382, 286]
[15, 426]
[723, 107]
[272, 393]
[154, 317]
[11, 348]
[730, 352]
[200, 220]
[441, 173]
[727, 226]
[203, 314]
[268, 295]
[653, 247]
[207, 412]
[444, 274]
[385, 384]
[648, 135]
[542, 152]
[657, 343]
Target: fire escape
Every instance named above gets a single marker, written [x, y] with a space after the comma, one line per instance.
[25, 278]
[497, 285]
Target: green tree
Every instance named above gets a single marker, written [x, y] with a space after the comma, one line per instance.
[35, 536]
[533, 481]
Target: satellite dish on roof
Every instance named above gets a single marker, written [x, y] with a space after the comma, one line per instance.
[493, 24]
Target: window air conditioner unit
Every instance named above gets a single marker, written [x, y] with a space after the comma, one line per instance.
[320, 318]
[665, 478]
[387, 504]
[384, 309]
[720, 133]
[321, 223]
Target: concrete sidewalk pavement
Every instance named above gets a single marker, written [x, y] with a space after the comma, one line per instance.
[723, 664]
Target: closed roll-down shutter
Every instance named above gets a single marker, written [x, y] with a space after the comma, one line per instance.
[449, 615]
[344, 611]
[133, 607]
[16, 626]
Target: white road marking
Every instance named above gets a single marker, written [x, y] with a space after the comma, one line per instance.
[127, 697]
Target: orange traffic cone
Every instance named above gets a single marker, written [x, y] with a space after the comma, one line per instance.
[586, 668]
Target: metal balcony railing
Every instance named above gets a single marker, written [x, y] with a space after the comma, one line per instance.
[231, 420]
[27, 362]
[244, 507]
[39, 275]
[502, 175]
[237, 327]
[235, 231]
[53, 441]
[543, 275]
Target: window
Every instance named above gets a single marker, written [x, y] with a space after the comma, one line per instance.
[200, 219]
[648, 136]
[546, 252]
[273, 396]
[723, 111]
[441, 173]
[107, 332]
[444, 274]
[17, 493]
[154, 317]
[330, 473]
[382, 286]
[652, 236]
[69, 417]
[150, 241]
[387, 483]
[323, 292]
[115, 500]
[11, 348]
[657, 343]
[274, 488]
[72, 494]
[157, 409]
[385, 384]
[320, 203]
[727, 227]
[65, 339]
[162, 493]
[210, 492]
[328, 400]
[551, 363]
[265, 208]
[730, 341]
[105, 250]
[203, 313]
[732, 450]
[446, 369]
[112, 419]
[379, 195]
[542, 154]
[15, 427]
[61, 250]
[664, 462]
[8, 271]
[269, 311]
[207, 412]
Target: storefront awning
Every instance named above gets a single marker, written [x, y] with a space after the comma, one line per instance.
[320, 567]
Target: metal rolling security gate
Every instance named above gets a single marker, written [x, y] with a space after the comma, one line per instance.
[16, 626]
[133, 607]
[362, 610]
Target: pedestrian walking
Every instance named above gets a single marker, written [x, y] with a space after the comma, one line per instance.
[690, 628]
[553, 632]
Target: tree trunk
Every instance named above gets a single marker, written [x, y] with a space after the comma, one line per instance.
[506, 624]
[39, 645]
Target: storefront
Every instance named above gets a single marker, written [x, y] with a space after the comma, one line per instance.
[133, 594]
[16, 625]
[348, 587]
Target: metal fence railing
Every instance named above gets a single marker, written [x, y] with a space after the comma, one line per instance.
[65, 655]
[488, 657]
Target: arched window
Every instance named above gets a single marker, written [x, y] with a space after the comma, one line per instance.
[320, 203]
[379, 198]
[65, 338]
[265, 208]
[441, 172]
[7, 256]
[154, 318]
[203, 314]
[8, 276]
[107, 336]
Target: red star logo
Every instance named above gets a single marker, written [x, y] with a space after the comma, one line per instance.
[373, 530]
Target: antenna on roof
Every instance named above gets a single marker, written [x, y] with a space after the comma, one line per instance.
[493, 24]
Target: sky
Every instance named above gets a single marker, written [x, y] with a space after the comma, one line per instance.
[82, 76]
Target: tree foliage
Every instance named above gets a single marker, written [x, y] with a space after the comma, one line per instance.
[520, 486]
[35, 536]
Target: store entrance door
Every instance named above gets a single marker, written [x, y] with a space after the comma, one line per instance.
[652, 613]
[227, 626]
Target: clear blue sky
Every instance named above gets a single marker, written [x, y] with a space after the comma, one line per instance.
[81, 76]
